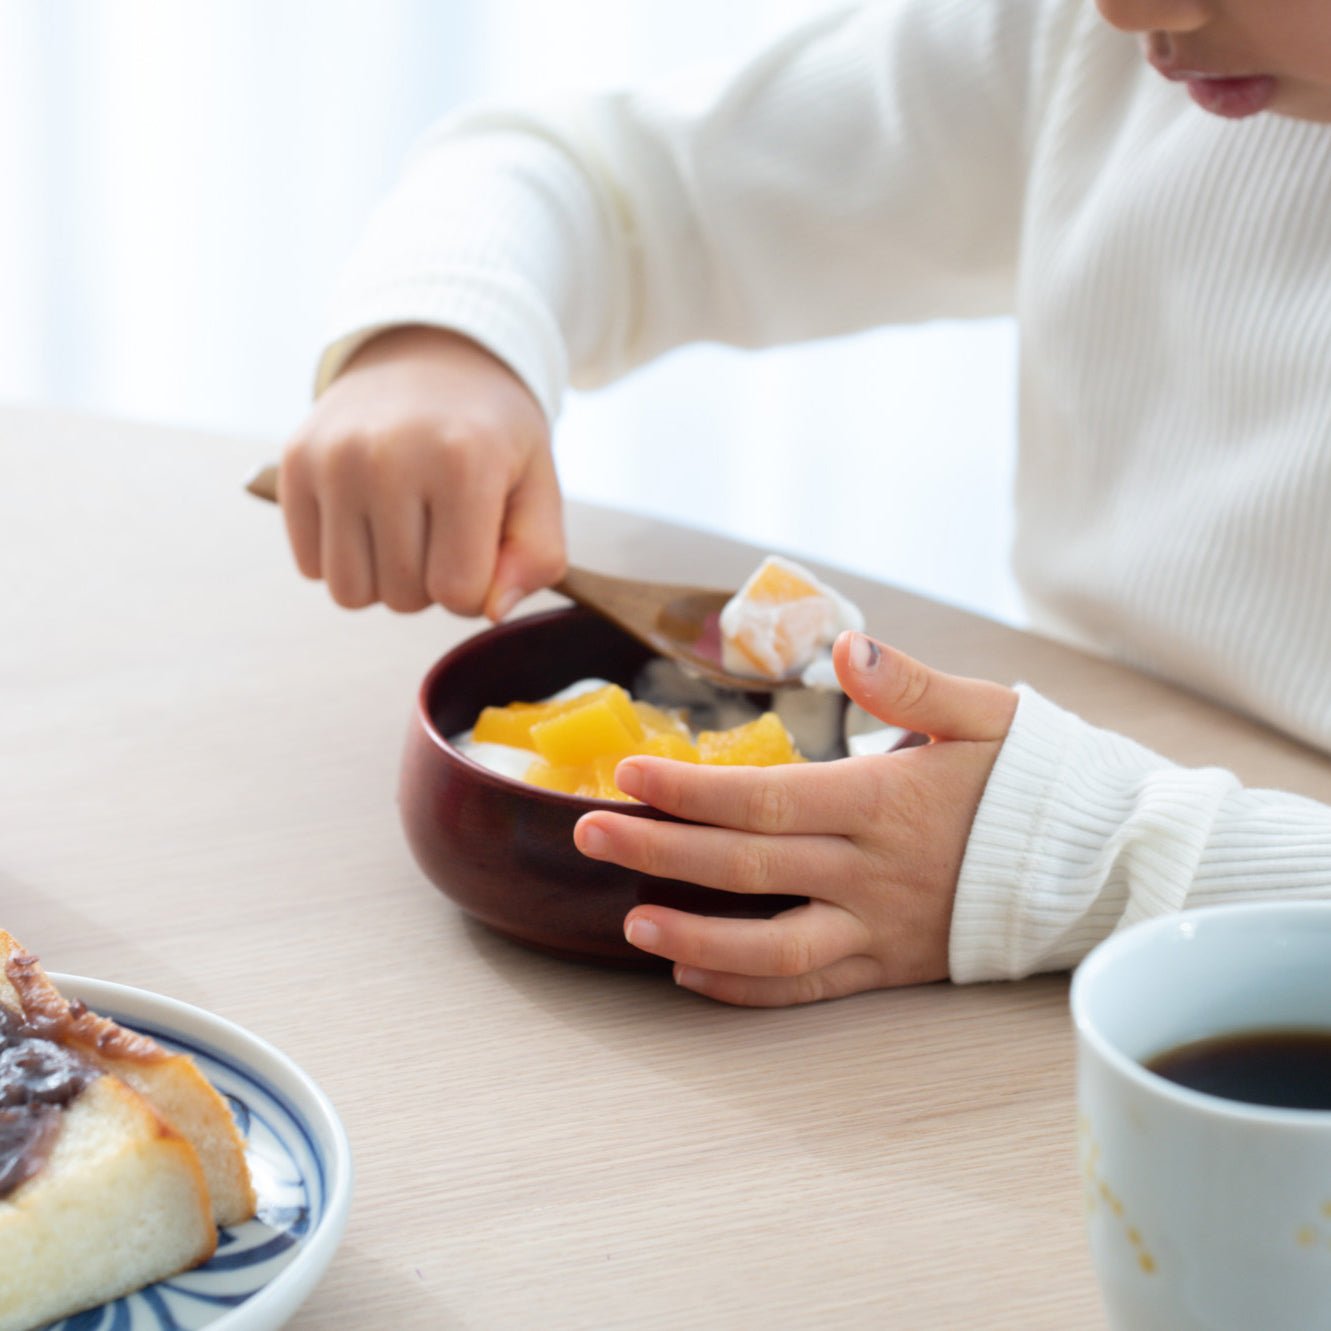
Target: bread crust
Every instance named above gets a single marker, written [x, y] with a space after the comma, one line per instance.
[172, 1083]
[147, 1162]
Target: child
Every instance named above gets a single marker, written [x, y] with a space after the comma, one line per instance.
[1148, 188]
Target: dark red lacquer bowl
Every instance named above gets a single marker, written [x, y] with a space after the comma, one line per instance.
[503, 850]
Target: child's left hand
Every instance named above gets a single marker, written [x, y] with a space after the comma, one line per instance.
[874, 842]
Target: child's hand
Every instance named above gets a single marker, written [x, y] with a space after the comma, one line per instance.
[875, 842]
[424, 475]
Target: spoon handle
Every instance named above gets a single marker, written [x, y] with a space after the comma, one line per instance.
[264, 484]
[671, 620]
[615, 598]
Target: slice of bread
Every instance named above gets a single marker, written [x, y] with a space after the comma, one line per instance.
[184, 1097]
[145, 1162]
[118, 1204]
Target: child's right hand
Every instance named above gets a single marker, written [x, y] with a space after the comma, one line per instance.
[424, 475]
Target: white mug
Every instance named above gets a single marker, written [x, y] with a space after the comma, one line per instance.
[1204, 1214]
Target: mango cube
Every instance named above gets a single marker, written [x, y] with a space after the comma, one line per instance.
[605, 724]
[508, 725]
[576, 743]
[549, 776]
[760, 743]
[603, 771]
[658, 721]
[595, 780]
[512, 724]
[663, 745]
[780, 582]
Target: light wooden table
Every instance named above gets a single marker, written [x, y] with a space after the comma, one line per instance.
[198, 758]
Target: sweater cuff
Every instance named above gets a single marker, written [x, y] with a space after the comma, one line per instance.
[509, 321]
[1079, 831]
[493, 232]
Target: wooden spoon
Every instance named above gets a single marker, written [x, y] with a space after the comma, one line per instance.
[679, 622]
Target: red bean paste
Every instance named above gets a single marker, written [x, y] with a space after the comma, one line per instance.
[38, 1078]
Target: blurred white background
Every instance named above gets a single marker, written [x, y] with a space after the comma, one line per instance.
[181, 181]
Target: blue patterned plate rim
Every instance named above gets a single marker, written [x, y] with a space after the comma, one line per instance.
[300, 1101]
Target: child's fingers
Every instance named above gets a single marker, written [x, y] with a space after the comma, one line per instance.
[464, 519]
[399, 522]
[902, 691]
[846, 798]
[346, 550]
[850, 975]
[716, 856]
[531, 546]
[800, 940]
[300, 511]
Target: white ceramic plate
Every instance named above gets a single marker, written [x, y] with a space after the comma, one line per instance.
[299, 1157]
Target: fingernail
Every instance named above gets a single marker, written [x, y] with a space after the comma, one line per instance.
[505, 602]
[591, 839]
[642, 933]
[864, 653]
[628, 777]
[687, 977]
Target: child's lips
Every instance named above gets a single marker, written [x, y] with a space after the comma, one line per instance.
[1234, 96]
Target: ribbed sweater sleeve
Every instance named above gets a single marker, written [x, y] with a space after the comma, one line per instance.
[900, 160]
[494, 234]
[867, 169]
[1082, 831]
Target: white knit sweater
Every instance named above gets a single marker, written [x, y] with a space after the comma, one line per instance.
[1171, 275]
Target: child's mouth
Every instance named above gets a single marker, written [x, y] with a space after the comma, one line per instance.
[1233, 98]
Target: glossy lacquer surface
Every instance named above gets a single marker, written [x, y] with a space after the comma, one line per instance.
[503, 850]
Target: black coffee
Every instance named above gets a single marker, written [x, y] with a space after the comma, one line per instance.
[1287, 1068]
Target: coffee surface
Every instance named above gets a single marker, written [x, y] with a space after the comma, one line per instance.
[1289, 1069]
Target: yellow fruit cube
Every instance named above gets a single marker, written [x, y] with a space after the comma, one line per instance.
[661, 745]
[658, 721]
[621, 705]
[581, 740]
[603, 770]
[777, 582]
[508, 725]
[593, 780]
[512, 724]
[549, 776]
[605, 724]
[760, 743]
[776, 623]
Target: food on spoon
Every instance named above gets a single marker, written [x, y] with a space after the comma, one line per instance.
[574, 741]
[118, 1160]
[782, 621]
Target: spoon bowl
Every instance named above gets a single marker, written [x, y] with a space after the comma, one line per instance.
[680, 622]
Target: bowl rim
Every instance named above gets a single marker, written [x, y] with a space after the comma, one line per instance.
[487, 776]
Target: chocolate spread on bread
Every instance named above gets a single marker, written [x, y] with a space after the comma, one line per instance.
[38, 1078]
